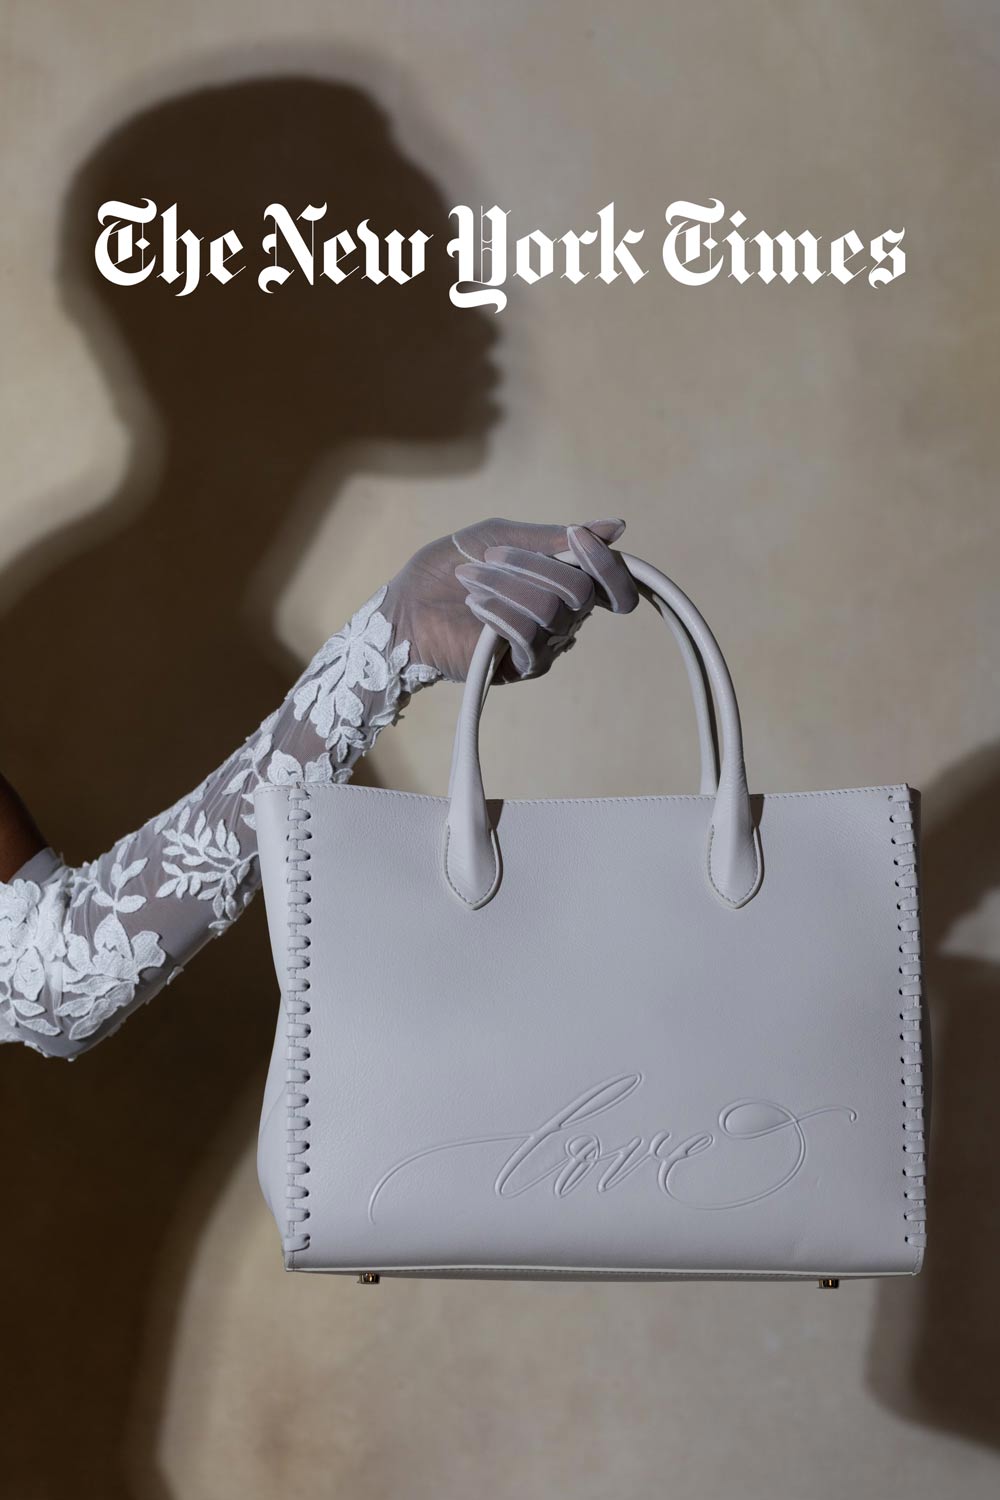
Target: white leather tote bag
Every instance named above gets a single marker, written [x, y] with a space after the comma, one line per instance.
[625, 1037]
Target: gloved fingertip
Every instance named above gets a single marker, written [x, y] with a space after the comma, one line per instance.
[631, 601]
[522, 663]
[584, 544]
[618, 587]
[479, 605]
[608, 531]
[621, 589]
[623, 596]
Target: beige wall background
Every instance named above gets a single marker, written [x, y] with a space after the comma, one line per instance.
[188, 509]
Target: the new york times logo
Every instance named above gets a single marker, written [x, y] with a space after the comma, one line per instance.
[702, 243]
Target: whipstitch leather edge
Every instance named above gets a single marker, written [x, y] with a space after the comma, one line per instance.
[297, 838]
[903, 816]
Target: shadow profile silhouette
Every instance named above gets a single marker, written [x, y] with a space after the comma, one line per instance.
[137, 651]
[935, 1340]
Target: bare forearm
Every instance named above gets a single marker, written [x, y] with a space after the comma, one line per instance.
[20, 836]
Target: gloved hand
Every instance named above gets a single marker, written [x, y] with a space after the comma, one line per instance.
[82, 947]
[505, 574]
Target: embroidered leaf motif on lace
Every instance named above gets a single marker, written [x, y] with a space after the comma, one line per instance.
[81, 948]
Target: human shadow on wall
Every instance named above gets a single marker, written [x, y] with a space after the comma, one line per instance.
[137, 652]
[935, 1339]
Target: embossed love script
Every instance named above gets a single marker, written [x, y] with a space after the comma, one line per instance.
[579, 1155]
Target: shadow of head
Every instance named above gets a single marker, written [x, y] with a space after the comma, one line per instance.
[932, 1356]
[306, 364]
[167, 677]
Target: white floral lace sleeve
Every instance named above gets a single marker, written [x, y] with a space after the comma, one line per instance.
[81, 949]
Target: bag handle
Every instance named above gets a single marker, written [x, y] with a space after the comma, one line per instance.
[708, 740]
[733, 860]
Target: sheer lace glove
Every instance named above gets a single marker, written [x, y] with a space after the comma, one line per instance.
[505, 574]
[82, 947]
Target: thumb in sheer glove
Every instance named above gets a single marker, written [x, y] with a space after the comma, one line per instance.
[505, 574]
